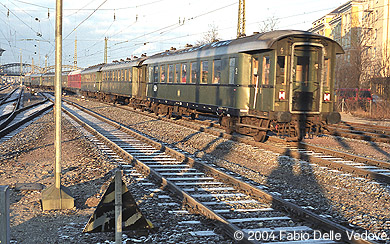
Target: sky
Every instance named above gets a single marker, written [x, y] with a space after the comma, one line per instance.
[133, 27]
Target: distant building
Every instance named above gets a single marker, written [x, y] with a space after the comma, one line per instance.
[362, 28]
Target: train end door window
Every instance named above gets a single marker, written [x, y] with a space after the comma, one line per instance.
[217, 70]
[170, 73]
[302, 69]
[156, 74]
[162, 74]
[204, 72]
[327, 72]
[281, 70]
[255, 68]
[184, 73]
[150, 74]
[177, 73]
[194, 72]
[232, 70]
[265, 70]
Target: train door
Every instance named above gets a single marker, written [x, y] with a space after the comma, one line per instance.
[263, 96]
[142, 81]
[98, 80]
[306, 78]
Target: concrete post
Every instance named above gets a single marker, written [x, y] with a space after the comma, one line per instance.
[4, 215]
[57, 196]
[118, 207]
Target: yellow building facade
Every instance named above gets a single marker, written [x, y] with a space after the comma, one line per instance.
[360, 26]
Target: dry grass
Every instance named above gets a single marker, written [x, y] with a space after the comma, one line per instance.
[379, 110]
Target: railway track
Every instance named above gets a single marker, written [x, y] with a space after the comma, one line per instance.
[335, 160]
[361, 132]
[16, 118]
[236, 206]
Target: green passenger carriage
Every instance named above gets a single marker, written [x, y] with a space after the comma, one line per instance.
[281, 81]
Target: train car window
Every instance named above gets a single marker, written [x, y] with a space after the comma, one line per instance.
[183, 73]
[217, 70]
[170, 73]
[156, 74]
[177, 73]
[255, 68]
[150, 74]
[194, 72]
[265, 70]
[122, 75]
[130, 75]
[281, 70]
[162, 73]
[232, 70]
[302, 69]
[327, 72]
[204, 66]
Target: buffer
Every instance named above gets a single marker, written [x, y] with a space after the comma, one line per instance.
[103, 219]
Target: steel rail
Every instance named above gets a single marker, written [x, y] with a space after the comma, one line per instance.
[359, 135]
[4, 87]
[197, 206]
[9, 128]
[364, 127]
[297, 155]
[4, 99]
[245, 187]
[11, 115]
[345, 155]
[24, 109]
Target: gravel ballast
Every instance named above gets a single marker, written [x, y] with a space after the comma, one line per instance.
[356, 203]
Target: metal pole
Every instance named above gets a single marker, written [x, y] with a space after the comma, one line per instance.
[118, 207]
[4, 215]
[57, 84]
[105, 50]
[57, 196]
[21, 67]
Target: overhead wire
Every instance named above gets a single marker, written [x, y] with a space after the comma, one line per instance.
[86, 19]
[103, 9]
[174, 25]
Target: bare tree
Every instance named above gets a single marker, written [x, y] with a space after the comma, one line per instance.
[210, 36]
[270, 24]
[360, 64]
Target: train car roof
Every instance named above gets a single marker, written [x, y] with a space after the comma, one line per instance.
[262, 41]
[48, 74]
[75, 72]
[92, 69]
[123, 64]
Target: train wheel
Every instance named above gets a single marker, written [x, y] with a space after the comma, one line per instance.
[261, 136]
[229, 130]
[193, 116]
